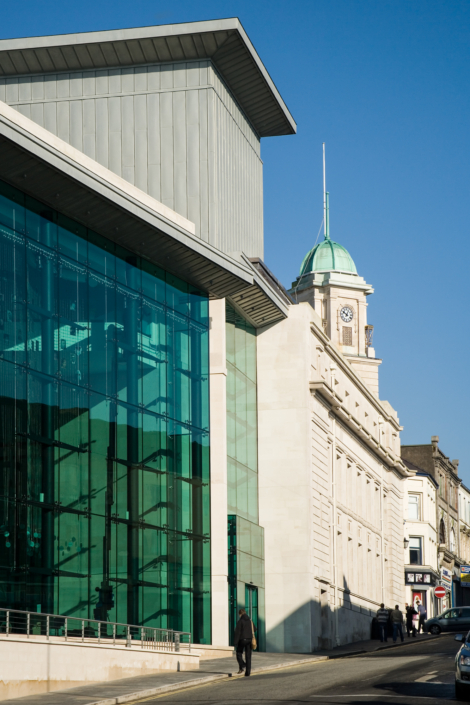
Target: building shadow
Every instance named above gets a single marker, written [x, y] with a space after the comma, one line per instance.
[314, 626]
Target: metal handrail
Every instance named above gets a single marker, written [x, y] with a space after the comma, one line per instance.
[155, 638]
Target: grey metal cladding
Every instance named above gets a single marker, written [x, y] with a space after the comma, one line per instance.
[173, 130]
[223, 41]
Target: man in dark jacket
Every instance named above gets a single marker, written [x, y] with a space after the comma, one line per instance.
[410, 627]
[382, 620]
[242, 640]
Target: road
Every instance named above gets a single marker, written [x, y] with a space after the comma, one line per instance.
[416, 674]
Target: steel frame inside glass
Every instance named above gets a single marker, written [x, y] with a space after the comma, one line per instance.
[104, 428]
[245, 536]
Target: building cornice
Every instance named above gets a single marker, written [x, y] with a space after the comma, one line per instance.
[336, 402]
[348, 370]
[224, 42]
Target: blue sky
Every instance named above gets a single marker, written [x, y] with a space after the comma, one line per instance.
[385, 84]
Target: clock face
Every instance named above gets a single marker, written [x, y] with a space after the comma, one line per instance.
[346, 314]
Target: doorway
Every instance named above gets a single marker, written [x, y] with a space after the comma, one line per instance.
[251, 604]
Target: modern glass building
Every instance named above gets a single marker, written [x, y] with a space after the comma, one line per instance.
[245, 536]
[104, 428]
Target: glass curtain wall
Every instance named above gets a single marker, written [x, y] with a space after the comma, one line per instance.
[246, 574]
[245, 536]
[104, 418]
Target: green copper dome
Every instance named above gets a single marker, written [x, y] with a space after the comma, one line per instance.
[328, 256]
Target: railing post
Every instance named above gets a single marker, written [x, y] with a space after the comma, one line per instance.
[83, 630]
[47, 627]
[128, 637]
[142, 637]
[114, 635]
[177, 641]
[28, 624]
[154, 638]
[99, 632]
[8, 623]
[189, 648]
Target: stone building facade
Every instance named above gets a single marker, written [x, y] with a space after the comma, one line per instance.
[464, 522]
[421, 540]
[330, 472]
[431, 459]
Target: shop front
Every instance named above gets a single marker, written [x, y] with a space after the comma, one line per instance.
[419, 584]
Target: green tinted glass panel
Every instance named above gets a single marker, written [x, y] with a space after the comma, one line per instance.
[104, 425]
[242, 438]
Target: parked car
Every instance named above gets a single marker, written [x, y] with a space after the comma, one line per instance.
[456, 619]
[462, 668]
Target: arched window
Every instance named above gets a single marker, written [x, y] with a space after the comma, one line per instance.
[452, 541]
[442, 532]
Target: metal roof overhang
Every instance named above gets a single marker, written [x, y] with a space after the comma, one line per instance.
[42, 165]
[224, 42]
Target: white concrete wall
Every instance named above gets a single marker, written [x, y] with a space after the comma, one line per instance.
[33, 666]
[218, 429]
[330, 505]
[285, 483]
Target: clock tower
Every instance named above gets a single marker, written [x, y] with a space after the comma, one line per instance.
[329, 281]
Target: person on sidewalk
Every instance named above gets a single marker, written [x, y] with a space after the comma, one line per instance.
[396, 616]
[382, 621]
[242, 640]
[410, 627]
[422, 615]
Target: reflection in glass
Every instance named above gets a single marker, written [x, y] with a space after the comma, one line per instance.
[104, 416]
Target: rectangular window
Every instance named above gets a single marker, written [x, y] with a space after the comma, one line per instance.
[414, 513]
[347, 335]
[416, 551]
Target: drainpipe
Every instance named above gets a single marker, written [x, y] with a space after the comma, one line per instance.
[382, 518]
[333, 493]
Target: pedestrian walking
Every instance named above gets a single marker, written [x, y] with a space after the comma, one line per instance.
[422, 615]
[242, 641]
[415, 620]
[382, 621]
[410, 613]
[396, 616]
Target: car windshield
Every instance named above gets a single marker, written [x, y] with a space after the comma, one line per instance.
[444, 615]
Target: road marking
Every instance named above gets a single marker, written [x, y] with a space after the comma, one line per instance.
[426, 678]
[375, 695]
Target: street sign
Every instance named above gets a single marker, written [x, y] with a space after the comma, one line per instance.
[446, 578]
[439, 592]
[465, 575]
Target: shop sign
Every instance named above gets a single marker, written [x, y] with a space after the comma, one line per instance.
[446, 578]
[465, 575]
[418, 579]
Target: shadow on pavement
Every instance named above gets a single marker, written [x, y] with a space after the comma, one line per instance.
[438, 691]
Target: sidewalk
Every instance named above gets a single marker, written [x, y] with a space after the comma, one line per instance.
[129, 689]
[371, 645]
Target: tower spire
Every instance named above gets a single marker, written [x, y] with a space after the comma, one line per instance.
[324, 193]
[327, 233]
